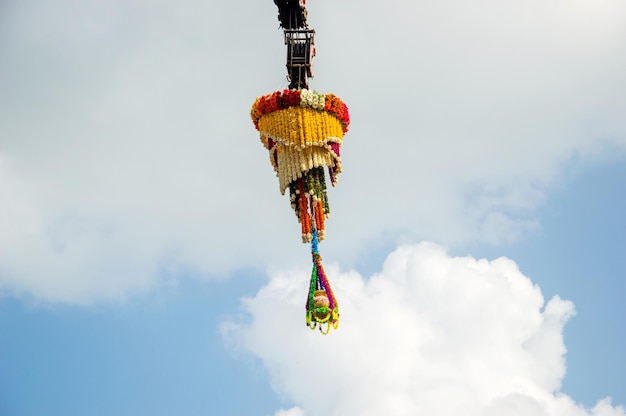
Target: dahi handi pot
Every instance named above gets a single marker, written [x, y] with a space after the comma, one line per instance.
[321, 300]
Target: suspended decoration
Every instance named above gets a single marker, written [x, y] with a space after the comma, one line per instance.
[321, 305]
[303, 131]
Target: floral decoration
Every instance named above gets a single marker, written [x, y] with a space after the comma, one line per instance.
[281, 100]
[303, 131]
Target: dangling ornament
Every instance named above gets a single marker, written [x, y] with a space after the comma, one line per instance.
[303, 131]
[321, 306]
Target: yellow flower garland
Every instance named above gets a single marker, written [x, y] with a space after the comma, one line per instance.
[298, 139]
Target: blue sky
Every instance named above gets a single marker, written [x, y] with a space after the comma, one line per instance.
[149, 357]
[148, 263]
[162, 353]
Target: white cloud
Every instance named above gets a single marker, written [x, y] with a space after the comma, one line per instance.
[429, 334]
[294, 411]
[130, 148]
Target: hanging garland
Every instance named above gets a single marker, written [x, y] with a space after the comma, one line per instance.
[303, 131]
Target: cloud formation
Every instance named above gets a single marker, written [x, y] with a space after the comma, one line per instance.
[126, 150]
[429, 334]
[294, 411]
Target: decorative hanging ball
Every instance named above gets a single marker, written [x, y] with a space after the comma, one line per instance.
[321, 305]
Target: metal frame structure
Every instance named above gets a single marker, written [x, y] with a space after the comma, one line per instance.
[300, 42]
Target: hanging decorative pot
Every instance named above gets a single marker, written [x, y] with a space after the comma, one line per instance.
[321, 305]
